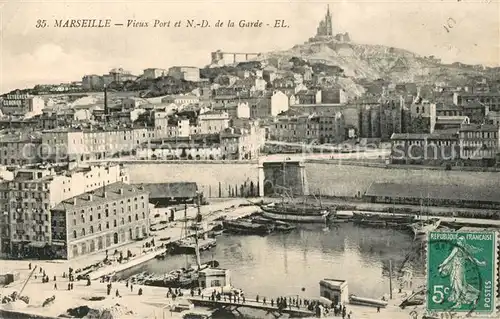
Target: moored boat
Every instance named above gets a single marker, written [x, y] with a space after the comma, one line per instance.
[247, 227]
[362, 301]
[188, 245]
[421, 228]
[294, 215]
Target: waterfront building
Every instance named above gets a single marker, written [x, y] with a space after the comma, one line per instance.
[336, 290]
[169, 194]
[91, 143]
[20, 150]
[21, 105]
[186, 73]
[479, 143]
[214, 277]
[424, 149]
[194, 147]
[99, 220]
[34, 191]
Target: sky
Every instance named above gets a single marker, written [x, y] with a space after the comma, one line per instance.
[30, 55]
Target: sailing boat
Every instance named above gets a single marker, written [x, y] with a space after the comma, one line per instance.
[193, 245]
[422, 227]
[186, 277]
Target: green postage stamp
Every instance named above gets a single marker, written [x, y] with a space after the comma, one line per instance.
[461, 271]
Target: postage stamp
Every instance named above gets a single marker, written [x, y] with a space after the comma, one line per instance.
[461, 272]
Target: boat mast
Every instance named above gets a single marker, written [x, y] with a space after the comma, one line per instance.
[197, 247]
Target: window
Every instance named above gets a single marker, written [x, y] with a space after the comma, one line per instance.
[99, 228]
[130, 219]
[98, 215]
[107, 212]
[91, 218]
[107, 225]
[74, 222]
[91, 229]
[123, 221]
[83, 231]
[136, 217]
[74, 233]
[114, 223]
[143, 215]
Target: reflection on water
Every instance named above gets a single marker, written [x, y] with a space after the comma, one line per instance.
[283, 264]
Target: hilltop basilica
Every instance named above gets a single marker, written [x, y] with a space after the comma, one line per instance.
[325, 30]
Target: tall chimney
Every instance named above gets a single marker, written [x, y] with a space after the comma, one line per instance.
[105, 103]
[105, 195]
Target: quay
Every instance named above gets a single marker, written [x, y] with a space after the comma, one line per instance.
[230, 306]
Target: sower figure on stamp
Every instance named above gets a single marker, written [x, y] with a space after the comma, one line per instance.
[454, 267]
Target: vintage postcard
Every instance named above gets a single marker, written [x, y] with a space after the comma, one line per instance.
[249, 159]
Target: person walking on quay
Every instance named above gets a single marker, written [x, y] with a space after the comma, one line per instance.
[140, 292]
[199, 291]
[29, 266]
[257, 298]
[117, 293]
[126, 284]
[131, 287]
[69, 286]
[264, 301]
[72, 286]
[55, 286]
[272, 302]
[243, 298]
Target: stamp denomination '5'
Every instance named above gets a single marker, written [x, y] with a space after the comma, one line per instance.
[461, 271]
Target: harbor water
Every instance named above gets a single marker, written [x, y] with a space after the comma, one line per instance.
[291, 264]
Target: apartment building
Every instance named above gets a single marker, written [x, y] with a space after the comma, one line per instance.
[479, 143]
[19, 150]
[93, 143]
[34, 191]
[320, 128]
[22, 105]
[101, 219]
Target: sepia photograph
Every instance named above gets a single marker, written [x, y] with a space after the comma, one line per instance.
[254, 159]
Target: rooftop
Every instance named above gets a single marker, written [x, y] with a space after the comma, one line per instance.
[422, 136]
[170, 190]
[104, 194]
[479, 127]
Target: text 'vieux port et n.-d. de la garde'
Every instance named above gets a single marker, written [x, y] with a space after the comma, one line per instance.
[157, 23]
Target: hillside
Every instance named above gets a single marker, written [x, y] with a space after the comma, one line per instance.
[372, 62]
